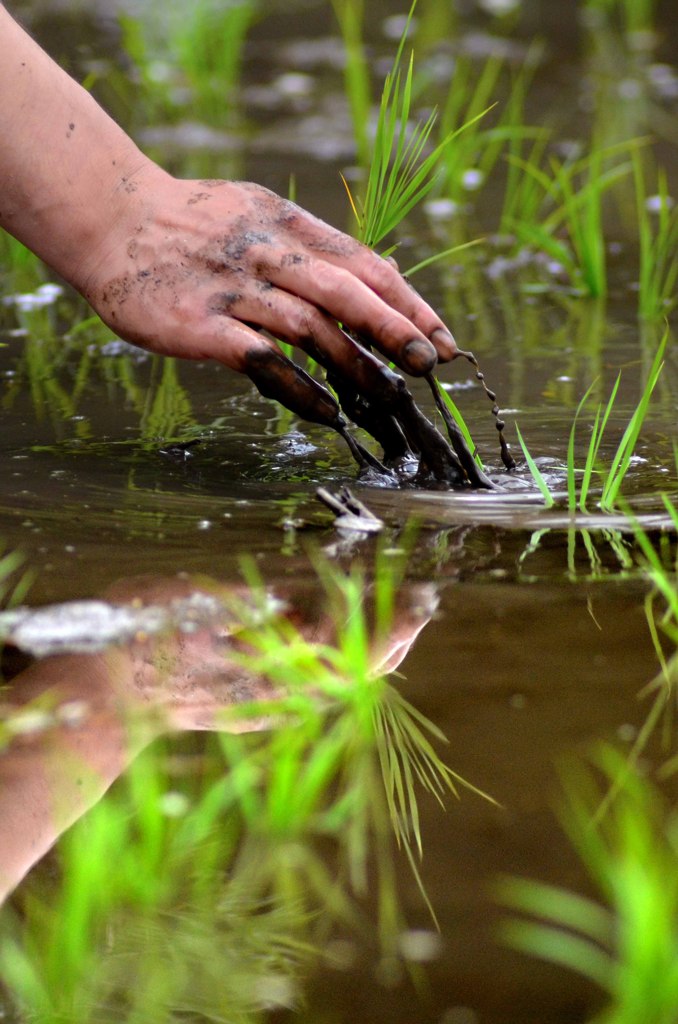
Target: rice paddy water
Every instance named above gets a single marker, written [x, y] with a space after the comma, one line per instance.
[272, 846]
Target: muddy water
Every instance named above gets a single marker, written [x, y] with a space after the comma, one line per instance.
[535, 650]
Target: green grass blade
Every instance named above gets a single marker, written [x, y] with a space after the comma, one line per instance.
[571, 469]
[624, 453]
[440, 256]
[537, 474]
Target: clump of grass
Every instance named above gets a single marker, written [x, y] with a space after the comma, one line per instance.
[574, 191]
[350, 15]
[468, 164]
[209, 48]
[612, 476]
[199, 47]
[628, 943]
[401, 172]
[22, 270]
[658, 240]
[401, 166]
[184, 884]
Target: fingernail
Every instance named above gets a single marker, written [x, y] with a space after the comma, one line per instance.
[444, 343]
[419, 356]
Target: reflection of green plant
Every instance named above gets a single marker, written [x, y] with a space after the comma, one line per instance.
[371, 753]
[143, 926]
[168, 412]
[627, 838]
[206, 894]
[628, 946]
[14, 585]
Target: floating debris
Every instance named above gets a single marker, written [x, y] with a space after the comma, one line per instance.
[351, 514]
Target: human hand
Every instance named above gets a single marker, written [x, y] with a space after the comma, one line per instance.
[101, 708]
[194, 268]
[194, 678]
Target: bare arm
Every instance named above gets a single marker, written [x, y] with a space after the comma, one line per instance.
[186, 268]
[132, 694]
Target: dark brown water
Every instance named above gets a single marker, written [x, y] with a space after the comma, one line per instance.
[535, 650]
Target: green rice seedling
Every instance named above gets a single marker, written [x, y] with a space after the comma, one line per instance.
[658, 247]
[523, 193]
[143, 48]
[203, 43]
[209, 47]
[537, 474]
[626, 943]
[622, 457]
[437, 256]
[614, 474]
[350, 15]
[576, 191]
[637, 16]
[461, 423]
[435, 21]
[468, 163]
[401, 172]
[22, 270]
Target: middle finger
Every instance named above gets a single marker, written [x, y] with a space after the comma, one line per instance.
[344, 297]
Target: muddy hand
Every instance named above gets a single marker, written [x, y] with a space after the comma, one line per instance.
[185, 268]
[279, 378]
[194, 266]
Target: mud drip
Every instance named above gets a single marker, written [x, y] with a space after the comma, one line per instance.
[506, 457]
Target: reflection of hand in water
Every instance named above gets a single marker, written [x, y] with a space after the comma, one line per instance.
[131, 694]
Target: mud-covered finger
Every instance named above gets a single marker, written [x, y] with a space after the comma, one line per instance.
[368, 390]
[381, 276]
[348, 300]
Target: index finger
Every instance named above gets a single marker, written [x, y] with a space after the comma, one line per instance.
[383, 278]
[357, 306]
[380, 275]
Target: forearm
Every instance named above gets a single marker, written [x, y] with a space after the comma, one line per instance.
[49, 778]
[66, 169]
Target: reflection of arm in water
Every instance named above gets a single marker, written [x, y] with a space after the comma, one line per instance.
[185, 267]
[129, 695]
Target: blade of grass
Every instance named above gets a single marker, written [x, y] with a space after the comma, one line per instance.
[537, 474]
[624, 453]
